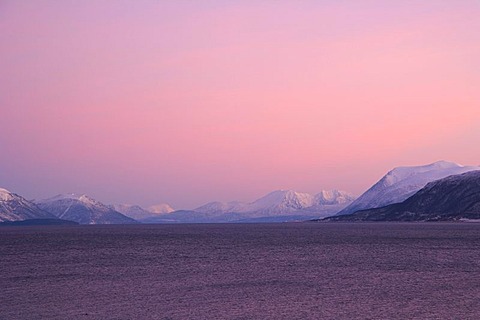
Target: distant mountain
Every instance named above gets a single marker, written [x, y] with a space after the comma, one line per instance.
[160, 208]
[333, 197]
[138, 213]
[132, 211]
[288, 202]
[82, 209]
[16, 208]
[277, 206]
[281, 202]
[402, 182]
[222, 207]
[452, 198]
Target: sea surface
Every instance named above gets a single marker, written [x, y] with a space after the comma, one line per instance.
[241, 271]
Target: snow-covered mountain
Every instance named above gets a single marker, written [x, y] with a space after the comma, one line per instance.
[16, 208]
[131, 210]
[160, 208]
[223, 207]
[138, 213]
[456, 197]
[280, 205]
[333, 197]
[82, 209]
[402, 182]
[281, 202]
[288, 202]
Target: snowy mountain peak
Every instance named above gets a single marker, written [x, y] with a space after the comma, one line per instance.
[401, 173]
[5, 195]
[217, 207]
[327, 194]
[86, 199]
[444, 164]
[285, 198]
[73, 196]
[328, 197]
[135, 211]
[63, 196]
[160, 208]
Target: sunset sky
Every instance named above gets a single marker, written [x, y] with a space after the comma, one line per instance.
[187, 102]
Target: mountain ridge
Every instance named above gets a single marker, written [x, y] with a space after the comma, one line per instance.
[281, 205]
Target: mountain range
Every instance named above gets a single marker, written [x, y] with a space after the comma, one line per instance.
[280, 205]
[400, 195]
[277, 206]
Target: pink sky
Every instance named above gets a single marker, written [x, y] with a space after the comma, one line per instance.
[187, 102]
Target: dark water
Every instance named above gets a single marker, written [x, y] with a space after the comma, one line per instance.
[254, 271]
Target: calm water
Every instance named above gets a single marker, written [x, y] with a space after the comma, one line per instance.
[251, 271]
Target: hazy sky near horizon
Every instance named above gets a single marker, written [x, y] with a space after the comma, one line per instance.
[187, 102]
